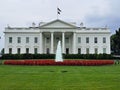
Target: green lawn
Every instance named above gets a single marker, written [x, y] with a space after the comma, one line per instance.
[59, 77]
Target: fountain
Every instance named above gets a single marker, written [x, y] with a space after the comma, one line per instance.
[58, 56]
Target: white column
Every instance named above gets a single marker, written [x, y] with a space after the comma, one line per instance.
[63, 42]
[109, 46]
[74, 43]
[41, 43]
[51, 42]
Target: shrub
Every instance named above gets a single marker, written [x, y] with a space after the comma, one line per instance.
[52, 56]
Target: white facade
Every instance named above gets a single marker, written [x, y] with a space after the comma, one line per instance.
[43, 39]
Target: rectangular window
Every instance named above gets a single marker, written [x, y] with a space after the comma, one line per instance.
[104, 50]
[27, 39]
[47, 40]
[87, 50]
[79, 39]
[18, 50]
[10, 50]
[79, 50]
[35, 50]
[47, 51]
[27, 50]
[67, 40]
[67, 50]
[95, 40]
[19, 39]
[96, 51]
[10, 39]
[104, 40]
[87, 39]
[36, 40]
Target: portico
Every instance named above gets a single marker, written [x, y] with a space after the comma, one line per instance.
[50, 40]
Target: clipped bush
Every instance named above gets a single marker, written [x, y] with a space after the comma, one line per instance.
[52, 56]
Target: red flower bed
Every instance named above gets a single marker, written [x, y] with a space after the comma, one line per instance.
[64, 63]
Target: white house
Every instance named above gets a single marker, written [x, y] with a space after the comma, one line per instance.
[43, 39]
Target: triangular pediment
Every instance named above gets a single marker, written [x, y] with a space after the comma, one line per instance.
[58, 24]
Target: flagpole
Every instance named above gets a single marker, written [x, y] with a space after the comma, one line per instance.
[57, 9]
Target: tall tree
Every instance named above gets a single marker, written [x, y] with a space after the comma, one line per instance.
[115, 42]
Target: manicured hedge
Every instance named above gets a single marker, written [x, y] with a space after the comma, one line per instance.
[52, 56]
[28, 56]
[64, 63]
[88, 56]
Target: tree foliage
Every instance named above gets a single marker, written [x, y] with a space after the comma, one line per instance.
[115, 42]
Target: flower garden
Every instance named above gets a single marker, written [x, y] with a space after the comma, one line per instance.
[64, 63]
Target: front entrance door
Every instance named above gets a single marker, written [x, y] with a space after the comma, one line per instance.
[79, 50]
[67, 50]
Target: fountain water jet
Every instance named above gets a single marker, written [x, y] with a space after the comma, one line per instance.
[58, 56]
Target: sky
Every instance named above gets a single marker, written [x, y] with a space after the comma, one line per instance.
[93, 13]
